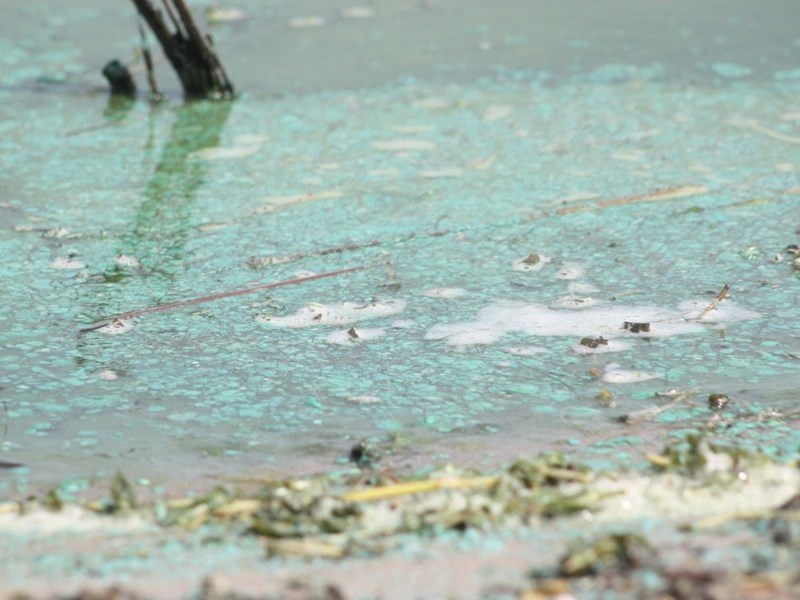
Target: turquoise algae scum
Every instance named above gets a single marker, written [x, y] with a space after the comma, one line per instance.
[441, 189]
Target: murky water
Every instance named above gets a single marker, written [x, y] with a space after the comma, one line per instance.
[437, 144]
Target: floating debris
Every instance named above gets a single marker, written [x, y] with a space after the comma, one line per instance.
[606, 396]
[636, 327]
[533, 262]
[718, 401]
[210, 298]
[355, 336]
[344, 313]
[675, 397]
[108, 375]
[116, 326]
[533, 259]
[593, 343]
[603, 347]
[716, 312]
[715, 302]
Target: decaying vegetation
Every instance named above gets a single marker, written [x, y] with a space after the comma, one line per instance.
[370, 510]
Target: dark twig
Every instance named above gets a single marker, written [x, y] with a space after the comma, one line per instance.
[191, 54]
[218, 296]
[648, 414]
[155, 94]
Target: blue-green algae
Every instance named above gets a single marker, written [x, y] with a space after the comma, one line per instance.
[485, 170]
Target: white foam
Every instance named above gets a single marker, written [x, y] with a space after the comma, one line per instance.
[571, 271]
[500, 318]
[609, 346]
[116, 326]
[349, 337]
[403, 324]
[526, 350]
[613, 373]
[364, 399]
[124, 261]
[725, 492]
[574, 303]
[578, 288]
[725, 312]
[335, 314]
[444, 292]
[67, 262]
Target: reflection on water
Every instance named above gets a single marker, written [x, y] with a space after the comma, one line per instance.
[162, 220]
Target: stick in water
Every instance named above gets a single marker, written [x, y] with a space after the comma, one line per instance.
[219, 295]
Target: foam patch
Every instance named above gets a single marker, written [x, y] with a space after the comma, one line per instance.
[335, 314]
[501, 318]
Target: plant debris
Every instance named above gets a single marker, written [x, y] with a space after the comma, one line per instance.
[612, 553]
[684, 191]
[532, 259]
[713, 306]
[636, 327]
[648, 414]
[336, 515]
[717, 401]
[117, 322]
[591, 342]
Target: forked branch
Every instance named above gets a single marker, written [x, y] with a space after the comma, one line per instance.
[191, 53]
